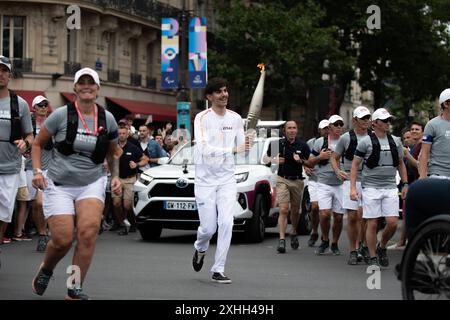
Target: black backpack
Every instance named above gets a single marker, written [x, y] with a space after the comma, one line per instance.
[374, 157]
[49, 145]
[101, 147]
[324, 146]
[16, 124]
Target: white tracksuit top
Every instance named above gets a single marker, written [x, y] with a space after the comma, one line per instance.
[215, 137]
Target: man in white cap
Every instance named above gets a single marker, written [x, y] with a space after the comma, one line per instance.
[16, 138]
[329, 187]
[40, 106]
[343, 154]
[312, 186]
[382, 155]
[434, 160]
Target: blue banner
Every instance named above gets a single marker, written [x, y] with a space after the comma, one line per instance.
[169, 53]
[184, 116]
[197, 53]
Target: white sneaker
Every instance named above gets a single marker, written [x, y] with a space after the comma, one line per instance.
[395, 246]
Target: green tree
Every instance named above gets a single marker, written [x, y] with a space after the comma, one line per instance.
[289, 37]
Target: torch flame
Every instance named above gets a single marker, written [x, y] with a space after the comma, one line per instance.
[261, 66]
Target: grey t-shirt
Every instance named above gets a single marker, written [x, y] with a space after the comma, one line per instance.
[45, 158]
[382, 176]
[341, 148]
[75, 169]
[310, 143]
[437, 133]
[326, 173]
[10, 158]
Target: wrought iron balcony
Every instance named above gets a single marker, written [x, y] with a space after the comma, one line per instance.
[150, 9]
[113, 75]
[70, 68]
[151, 83]
[135, 79]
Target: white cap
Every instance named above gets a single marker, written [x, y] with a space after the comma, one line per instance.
[324, 123]
[381, 114]
[335, 118]
[89, 72]
[361, 112]
[6, 62]
[38, 99]
[445, 95]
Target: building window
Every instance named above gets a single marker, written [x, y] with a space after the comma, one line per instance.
[13, 36]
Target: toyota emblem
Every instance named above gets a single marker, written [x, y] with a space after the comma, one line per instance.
[182, 183]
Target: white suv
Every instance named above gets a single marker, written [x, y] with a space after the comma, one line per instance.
[164, 195]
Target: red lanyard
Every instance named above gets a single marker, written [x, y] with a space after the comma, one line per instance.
[84, 122]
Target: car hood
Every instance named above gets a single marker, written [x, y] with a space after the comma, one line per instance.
[169, 171]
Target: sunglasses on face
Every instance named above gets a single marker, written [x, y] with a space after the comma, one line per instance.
[388, 120]
[42, 105]
[365, 117]
[338, 124]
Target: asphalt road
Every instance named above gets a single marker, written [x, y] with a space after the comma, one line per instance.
[128, 268]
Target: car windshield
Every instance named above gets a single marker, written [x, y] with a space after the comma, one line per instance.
[186, 154]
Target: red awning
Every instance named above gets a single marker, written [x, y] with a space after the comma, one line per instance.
[68, 96]
[142, 109]
[29, 95]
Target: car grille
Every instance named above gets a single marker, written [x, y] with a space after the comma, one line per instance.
[170, 190]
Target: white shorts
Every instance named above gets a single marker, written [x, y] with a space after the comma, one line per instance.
[59, 200]
[330, 197]
[347, 202]
[32, 191]
[9, 183]
[312, 189]
[380, 203]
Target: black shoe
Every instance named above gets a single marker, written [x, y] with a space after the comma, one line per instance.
[220, 277]
[382, 256]
[363, 254]
[114, 228]
[76, 294]
[323, 247]
[123, 231]
[313, 239]
[281, 246]
[294, 242]
[374, 262]
[41, 280]
[42, 243]
[335, 249]
[353, 258]
[197, 260]
[132, 229]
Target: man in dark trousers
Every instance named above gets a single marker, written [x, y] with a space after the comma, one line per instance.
[132, 158]
[290, 154]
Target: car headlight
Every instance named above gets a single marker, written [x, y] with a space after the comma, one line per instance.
[145, 179]
[241, 177]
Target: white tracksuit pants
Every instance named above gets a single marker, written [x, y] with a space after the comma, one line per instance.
[215, 208]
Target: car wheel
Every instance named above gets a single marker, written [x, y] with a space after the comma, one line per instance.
[256, 228]
[304, 223]
[150, 231]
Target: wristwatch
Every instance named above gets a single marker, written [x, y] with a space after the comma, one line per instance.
[37, 171]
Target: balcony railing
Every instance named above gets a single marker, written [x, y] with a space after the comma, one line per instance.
[135, 79]
[150, 9]
[21, 65]
[113, 75]
[151, 83]
[70, 68]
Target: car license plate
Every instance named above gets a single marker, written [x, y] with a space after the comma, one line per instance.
[180, 205]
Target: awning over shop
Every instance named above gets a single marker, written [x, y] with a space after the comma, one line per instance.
[29, 95]
[142, 109]
[68, 96]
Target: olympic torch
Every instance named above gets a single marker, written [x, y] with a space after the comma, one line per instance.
[257, 101]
